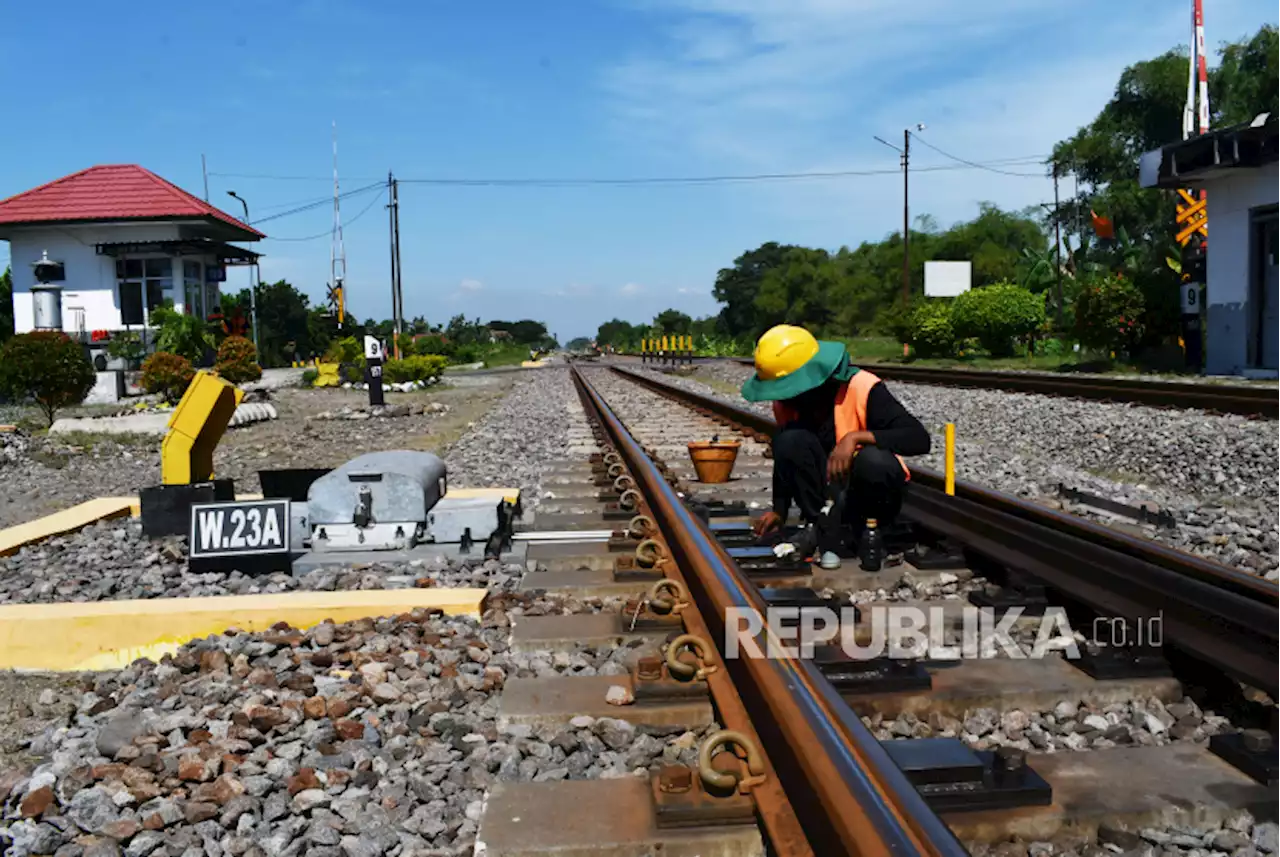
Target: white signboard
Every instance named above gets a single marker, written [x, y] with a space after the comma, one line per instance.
[947, 279]
[372, 348]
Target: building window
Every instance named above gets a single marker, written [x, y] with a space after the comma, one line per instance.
[193, 288]
[143, 283]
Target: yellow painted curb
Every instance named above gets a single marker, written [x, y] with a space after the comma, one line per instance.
[105, 635]
[15, 538]
[511, 495]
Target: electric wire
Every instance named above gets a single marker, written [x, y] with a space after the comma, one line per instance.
[318, 203]
[328, 232]
[920, 139]
[656, 180]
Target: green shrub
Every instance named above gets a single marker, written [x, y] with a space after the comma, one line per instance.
[467, 354]
[995, 315]
[178, 333]
[931, 332]
[894, 321]
[419, 367]
[430, 344]
[352, 374]
[237, 360]
[167, 374]
[1109, 313]
[47, 366]
[309, 377]
[127, 347]
[347, 350]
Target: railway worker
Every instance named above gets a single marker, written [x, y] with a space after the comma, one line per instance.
[841, 435]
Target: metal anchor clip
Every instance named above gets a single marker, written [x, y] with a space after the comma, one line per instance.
[701, 651]
[744, 751]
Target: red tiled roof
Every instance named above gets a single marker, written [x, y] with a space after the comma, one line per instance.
[110, 192]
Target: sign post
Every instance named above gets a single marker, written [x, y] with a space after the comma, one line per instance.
[373, 369]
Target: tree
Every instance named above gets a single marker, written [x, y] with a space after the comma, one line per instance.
[463, 332]
[47, 366]
[799, 291]
[738, 286]
[579, 343]
[6, 305]
[285, 325]
[672, 322]
[620, 334]
[525, 332]
[1244, 83]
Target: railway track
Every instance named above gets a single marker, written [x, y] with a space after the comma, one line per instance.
[1247, 400]
[810, 771]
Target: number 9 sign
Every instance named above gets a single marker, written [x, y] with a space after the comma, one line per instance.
[372, 348]
[1190, 298]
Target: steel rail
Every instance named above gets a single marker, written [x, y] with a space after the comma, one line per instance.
[1251, 401]
[849, 795]
[1214, 613]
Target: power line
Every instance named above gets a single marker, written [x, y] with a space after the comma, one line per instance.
[663, 180]
[329, 232]
[320, 202]
[989, 168]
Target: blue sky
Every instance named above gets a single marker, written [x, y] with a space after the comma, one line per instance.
[569, 89]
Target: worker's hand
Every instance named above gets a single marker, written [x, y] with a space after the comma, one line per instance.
[769, 522]
[840, 462]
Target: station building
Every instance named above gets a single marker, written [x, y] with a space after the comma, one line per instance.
[121, 240]
[1237, 167]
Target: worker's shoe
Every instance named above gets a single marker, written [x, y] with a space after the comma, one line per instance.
[829, 560]
[801, 547]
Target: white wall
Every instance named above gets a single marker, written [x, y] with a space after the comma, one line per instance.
[1231, 198]
[90, 282]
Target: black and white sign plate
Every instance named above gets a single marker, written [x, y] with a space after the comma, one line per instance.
[239, 529]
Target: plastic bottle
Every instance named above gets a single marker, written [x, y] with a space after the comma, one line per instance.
[871, 547]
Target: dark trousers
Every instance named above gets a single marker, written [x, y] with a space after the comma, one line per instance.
[874, 489]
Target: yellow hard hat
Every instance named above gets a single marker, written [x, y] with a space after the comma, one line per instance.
[782, 350]
[790, 361]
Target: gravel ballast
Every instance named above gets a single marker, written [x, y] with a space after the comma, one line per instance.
[374, 737]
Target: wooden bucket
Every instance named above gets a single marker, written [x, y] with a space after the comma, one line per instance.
[713, 460]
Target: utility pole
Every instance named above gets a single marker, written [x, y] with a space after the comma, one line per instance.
[1057, 240]
[906, 218]
[397, 310]
[253, 277]
[905, 159]
[204, 170]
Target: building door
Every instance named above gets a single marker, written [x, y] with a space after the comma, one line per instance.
[1269, 278]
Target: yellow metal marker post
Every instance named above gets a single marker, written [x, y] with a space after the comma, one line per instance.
[951, 459]
[197, 424]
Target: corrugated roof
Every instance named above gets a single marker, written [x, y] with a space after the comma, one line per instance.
[110, 192]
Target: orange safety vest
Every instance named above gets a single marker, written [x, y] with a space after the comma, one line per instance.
[851, 409]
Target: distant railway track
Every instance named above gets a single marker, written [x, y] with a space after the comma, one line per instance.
[1246, 400]
[1261, 401]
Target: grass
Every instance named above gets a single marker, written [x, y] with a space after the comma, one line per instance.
[1165, 360]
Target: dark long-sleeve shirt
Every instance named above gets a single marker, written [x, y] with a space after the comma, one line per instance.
[895, 429]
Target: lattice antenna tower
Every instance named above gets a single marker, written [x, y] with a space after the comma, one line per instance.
[337, 250]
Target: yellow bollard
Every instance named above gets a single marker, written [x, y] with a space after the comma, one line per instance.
[951, 459]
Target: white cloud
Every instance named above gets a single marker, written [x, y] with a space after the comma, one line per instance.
[631, 289]
[572, 290]
[802, 85]
[470, 285]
